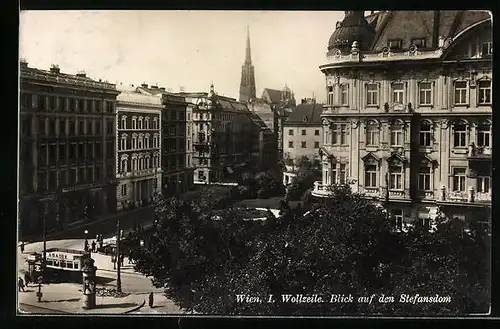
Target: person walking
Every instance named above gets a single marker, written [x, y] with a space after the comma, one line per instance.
[20, 284]
[22, 247]
[113, 259]
[151, 300]
[27, 278]
[93, 246]
[86, 246]
[122, 258]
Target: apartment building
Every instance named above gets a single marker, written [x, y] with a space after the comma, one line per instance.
[409, 112]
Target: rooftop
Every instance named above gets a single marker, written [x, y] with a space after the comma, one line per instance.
[306, 114]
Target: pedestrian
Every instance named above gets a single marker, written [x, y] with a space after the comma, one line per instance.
[113, 259]
[20, 284]
[22, 247]
[86, 246]
[151, 300]
[122, 258]
[93, 246]
[27, 278]
[130, 257]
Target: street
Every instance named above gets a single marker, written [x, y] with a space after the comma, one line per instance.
[31, 309]
[107, 227]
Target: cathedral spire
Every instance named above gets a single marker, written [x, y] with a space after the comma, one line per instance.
[248, 57]
[247, 85]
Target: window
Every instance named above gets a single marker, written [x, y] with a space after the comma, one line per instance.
[316, 145]
[425, 134]
[52, 154]
[290, 132]
[98, 127]
[460, 135]
[155, 122]
[41, 126]
[124, 190]
[316, 132]
[134, 123]
[81, 175]
[372, 94]
[71, 128]
[290, 145]
[146, 140]
[81, 127]
[330, 100]
[339, 136]
[425, 93]
[89, 174]
[398, 93]
[370, 176]
[483, 184]
[90, 150]
[372, 134]
[134, 142]
[460, 93]
[303, 132]
[397, 135]
[201, 175]
[303, 145]
[146, 123]
[459, 179]
[424, 179]
[395, 177]
[487, 48]
[110, 126]
[484, 92]
[42, 182]
[98, 150]
[81, 105]
[89, 127]
[140, 122]
[420, 42]
[484, 135]
[124, 122]
[90, 105]
[62, 126]
[395, 44]
[42, 155]
[398, 218]
[52, 102]
[62, 152]
[97, 172]
[344, 95]
[72, 152]
[123, 165]
[342, 173]
[98, 107]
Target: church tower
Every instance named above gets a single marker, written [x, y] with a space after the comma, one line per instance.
[247, 85]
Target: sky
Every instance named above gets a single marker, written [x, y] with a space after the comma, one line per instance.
[183, 49]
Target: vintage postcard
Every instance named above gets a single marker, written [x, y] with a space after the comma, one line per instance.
[255, 163]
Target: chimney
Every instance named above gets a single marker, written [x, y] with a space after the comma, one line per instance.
[162, 88]
[81, 73]
[23, 62]
[54, 68]
[154, 87]
[144, 85]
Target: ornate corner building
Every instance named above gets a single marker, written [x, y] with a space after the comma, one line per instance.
[409, 112]
[221, 137]
[67, 148]
[139, 142]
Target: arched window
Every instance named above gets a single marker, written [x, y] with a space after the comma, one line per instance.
[425, 133]
[140, 122]
[148, 162]
[124, 122]
[484, 135]
[124, 142]
[134, 162]
[134, 141]
[123, 165]
[146, 123]
[155, 123]
[141, 141]
[154, 140]
[147, 141]
[372, 134]
[460, 134]
[134, 122]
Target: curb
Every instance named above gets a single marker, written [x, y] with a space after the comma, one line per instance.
[122, 272]
[136, 308]
[44, 308]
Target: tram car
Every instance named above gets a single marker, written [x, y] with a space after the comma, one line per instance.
[63, 265]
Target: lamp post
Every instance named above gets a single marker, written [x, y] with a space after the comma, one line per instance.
[118, 275]
[86, 243]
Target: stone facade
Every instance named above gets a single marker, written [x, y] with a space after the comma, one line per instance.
[413, 123]
[139, 142]
[67, 148]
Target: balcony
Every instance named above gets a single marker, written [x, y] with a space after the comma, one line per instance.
[479, 153]
[321, 190]
[470, 196]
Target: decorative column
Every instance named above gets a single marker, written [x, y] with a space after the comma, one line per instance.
[443, 193]
[89, 284]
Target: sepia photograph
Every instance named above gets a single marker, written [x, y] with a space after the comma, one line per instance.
[255, 163]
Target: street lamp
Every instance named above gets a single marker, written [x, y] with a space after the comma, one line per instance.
[86, 243]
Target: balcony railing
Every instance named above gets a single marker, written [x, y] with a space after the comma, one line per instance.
[469, 196]
[321, 190]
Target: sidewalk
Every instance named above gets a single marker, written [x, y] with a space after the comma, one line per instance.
[161, 305]
[67, 297]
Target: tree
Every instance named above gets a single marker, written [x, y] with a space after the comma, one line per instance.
[344, 246]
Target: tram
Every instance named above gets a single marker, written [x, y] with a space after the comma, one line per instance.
[63, 265]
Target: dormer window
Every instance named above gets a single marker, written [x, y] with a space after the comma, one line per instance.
[395, 44]
[419, 42]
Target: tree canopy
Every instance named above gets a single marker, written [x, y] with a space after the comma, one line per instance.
[344, 247]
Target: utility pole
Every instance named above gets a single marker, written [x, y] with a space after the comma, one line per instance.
[118, 276]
